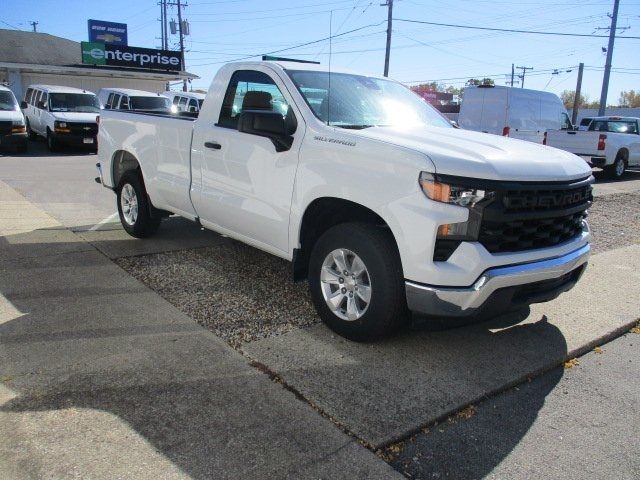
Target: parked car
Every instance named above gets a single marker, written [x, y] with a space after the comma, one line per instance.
[13, 130]
[512, 112]
[371, 194]
[128, 99]
[610, 143]
[62, 115]
[186, 101]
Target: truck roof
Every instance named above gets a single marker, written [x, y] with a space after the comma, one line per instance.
[60, 89]
[130, 92]
[312, 67]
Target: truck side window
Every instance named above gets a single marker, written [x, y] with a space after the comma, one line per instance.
[182, 104]
[566, 123]
[27, 97]
[44, 99]
[110, 100]
[176, 99]
[249, 89]
[193, 104]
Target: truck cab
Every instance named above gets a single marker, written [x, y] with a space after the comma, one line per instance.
[129, 99]
[13, 130]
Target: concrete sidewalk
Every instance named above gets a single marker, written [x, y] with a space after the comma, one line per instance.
[102, 378]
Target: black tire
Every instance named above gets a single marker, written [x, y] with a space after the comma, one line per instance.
[52, 143]
[387, 310]
[32, 135]
[617, 169]
[144, 225]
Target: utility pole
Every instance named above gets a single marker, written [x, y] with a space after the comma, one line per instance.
[512, 73]
[165, 44]
[524, 72]
[34, 24]
[576, 99]
[181, 34]
[607, 65]
[389, 22]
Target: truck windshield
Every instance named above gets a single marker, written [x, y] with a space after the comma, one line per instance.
[73, 102]
[7, 101]
[357, 101]
[149, 103]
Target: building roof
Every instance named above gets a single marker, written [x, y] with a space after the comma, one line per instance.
[17, 46]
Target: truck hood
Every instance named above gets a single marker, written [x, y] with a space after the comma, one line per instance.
[13, 115]
[75, 116]
[466, 153]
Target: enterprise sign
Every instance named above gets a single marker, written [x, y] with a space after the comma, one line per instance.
[95, 53]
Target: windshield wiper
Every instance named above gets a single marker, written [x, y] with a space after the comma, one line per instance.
[354, 127]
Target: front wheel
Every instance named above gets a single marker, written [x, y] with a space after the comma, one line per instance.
[616, 170]
[52, 143]
[133, 207]
[356, 281]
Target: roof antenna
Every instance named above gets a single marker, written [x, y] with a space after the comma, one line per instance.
[330, 45]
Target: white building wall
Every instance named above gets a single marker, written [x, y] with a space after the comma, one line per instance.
[91, 83]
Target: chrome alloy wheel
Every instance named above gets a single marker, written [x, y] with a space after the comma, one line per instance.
[129, 204]
[346, 285]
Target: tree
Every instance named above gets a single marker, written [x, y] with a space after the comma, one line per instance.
[484, 81]
[629, 99]
[568, 96]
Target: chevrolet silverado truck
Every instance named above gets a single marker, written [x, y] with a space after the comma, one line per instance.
[374, 197]
[610, 143]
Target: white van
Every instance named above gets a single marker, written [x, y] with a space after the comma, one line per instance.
[186, 101]
[129, 99]
[62, 115]
[13, 130]
[514, 112]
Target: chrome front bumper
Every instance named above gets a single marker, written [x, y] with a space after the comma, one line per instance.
[469, 301]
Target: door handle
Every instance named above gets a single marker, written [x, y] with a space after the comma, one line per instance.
[213, 145]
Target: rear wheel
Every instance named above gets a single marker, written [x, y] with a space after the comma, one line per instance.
[356, 281]
[133, 207]
[32, 135]
[616, 170]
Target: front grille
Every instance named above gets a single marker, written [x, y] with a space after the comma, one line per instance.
[534, 216]
[5, 128]
[87, 129]
[517, 235]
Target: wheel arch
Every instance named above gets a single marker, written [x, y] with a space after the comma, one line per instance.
[122, 161]
[624, 153]
[320, 215]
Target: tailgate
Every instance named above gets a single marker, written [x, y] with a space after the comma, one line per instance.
[580, 143]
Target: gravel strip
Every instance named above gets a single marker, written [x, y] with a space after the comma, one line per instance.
[243, 294]
[615, 221]
[240, 293]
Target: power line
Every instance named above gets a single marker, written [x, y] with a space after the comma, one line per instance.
[508, 30]
[294, 46]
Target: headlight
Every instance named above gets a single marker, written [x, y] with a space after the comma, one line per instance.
[463, 196]
[17, 123]
[460, 192]
[58, 124]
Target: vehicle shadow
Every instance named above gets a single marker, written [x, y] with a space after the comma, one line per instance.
[38, 148]
[631, 175]
[80, 338]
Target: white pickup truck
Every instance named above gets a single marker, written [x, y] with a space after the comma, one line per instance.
[372, 195]
[610, 143]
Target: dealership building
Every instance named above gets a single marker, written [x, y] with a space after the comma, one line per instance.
[28, 58]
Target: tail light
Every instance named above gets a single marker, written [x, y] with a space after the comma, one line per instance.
[601, 141]
[544, 138]
[506, 131]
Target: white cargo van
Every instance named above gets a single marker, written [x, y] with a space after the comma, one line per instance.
[62, 115]
[13, 132]
[513, 112]
[129, 99]
[186, 101]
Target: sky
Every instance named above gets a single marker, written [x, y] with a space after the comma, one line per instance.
[224, 30]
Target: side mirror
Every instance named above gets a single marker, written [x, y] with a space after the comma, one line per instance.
[265, 123]
[107, 107]
[41, 105]
[454, 124]
[23, 105]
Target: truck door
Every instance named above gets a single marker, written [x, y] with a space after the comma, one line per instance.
[246, 185]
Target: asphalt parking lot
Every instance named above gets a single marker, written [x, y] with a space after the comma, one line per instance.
[100, 341]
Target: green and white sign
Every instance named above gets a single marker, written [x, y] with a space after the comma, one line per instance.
[93, 53]
[96, 53]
